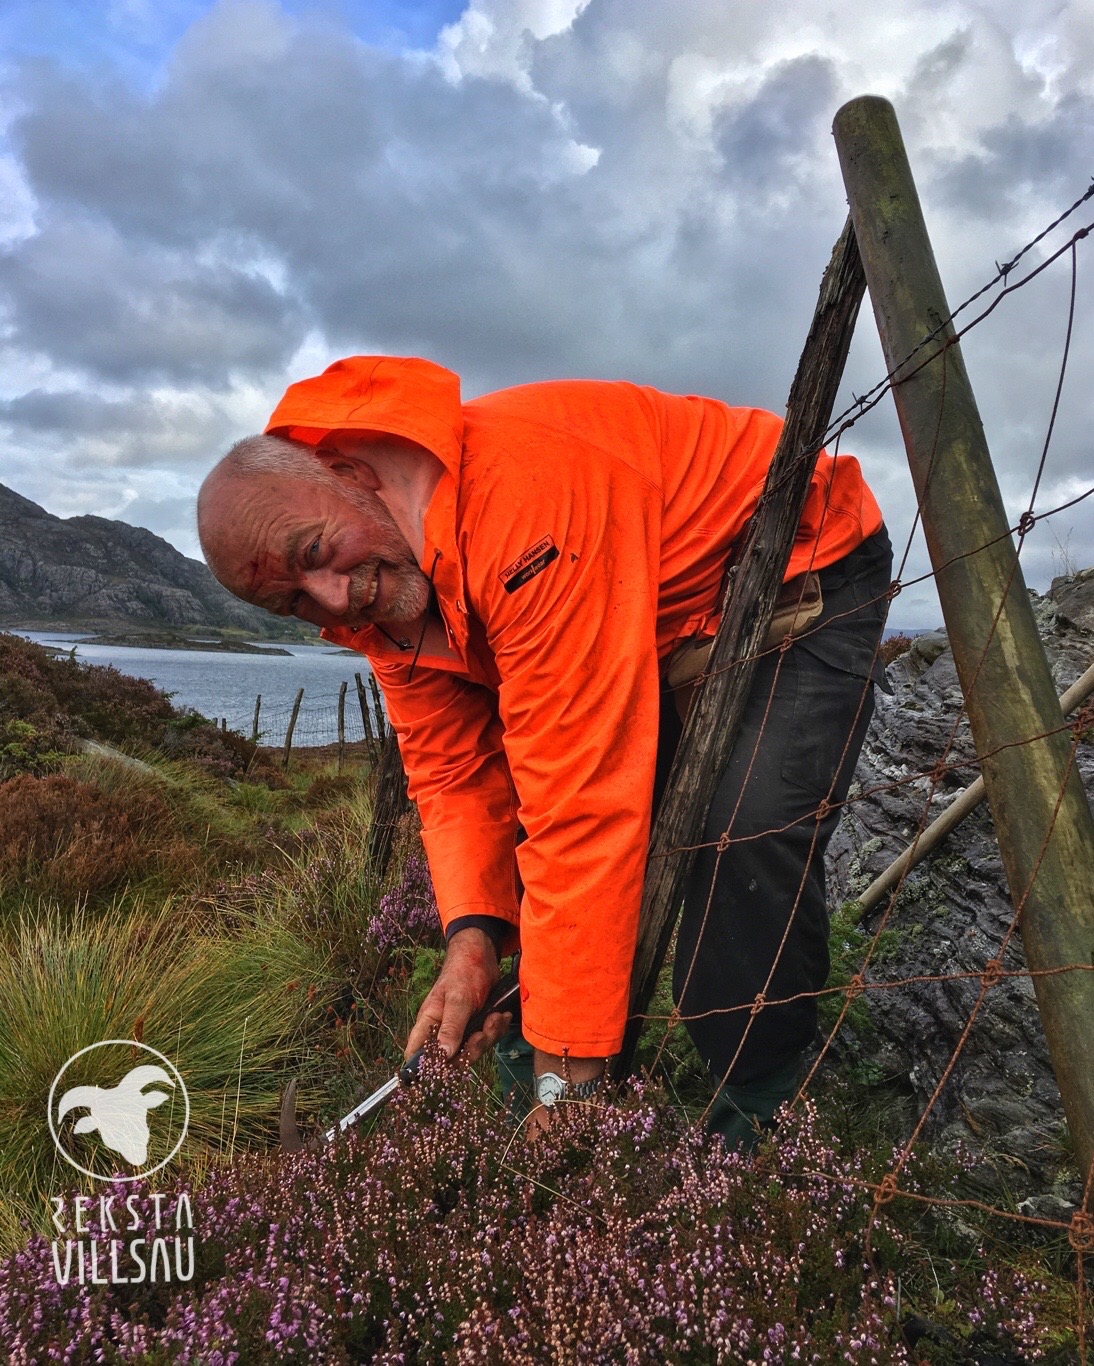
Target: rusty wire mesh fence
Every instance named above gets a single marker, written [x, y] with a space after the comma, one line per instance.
[969, 986]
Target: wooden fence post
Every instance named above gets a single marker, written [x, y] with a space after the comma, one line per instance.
[292, 727]
[341, 724]
[389, 803]
[1042, 820]
[715, 715]
[378, 709]
[366, 720]
[254, 723]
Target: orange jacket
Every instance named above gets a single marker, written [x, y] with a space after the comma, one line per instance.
[580, 530]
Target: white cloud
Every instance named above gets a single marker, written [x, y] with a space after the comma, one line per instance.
[492, 38]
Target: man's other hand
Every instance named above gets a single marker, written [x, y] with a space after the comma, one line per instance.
[470, 971]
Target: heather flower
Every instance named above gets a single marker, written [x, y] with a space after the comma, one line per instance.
[408, 913]
[622, 1236]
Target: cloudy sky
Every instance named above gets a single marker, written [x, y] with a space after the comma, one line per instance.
[200, 202]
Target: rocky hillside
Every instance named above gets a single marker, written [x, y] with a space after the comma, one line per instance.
[1001, 1099]
[89, 572]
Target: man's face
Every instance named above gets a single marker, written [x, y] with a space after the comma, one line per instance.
[329, 555]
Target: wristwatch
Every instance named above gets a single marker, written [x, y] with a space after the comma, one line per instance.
[550, 1087]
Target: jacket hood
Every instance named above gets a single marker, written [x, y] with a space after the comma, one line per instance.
[401, 395]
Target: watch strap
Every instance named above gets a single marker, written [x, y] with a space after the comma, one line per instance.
[558, 1088]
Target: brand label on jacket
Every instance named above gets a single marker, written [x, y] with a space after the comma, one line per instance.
[527, 565]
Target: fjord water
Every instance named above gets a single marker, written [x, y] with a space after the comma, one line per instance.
[219, 684]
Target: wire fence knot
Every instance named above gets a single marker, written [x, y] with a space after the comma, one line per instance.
[855, 987]
[1080, 1233]
[1026, 523]
[894, 589]
[758, 1004]
[723, 842]
[992, 974]
[824, 808]
[1084, 721]
[887, 1189]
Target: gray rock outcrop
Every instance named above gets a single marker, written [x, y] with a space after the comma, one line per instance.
[951, 916]
[89, 572]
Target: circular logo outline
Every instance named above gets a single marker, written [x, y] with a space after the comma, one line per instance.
[125, 1043]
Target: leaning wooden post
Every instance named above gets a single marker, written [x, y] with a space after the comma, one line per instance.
[390, 803]
[378, 709]
[366, 720]
[254, 723]
[715, 715]
[342, 724]
[292, 727]
[1042, 820]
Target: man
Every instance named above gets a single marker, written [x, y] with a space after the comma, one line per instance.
[522, 572]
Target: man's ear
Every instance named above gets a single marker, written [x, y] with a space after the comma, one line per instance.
[352, 467]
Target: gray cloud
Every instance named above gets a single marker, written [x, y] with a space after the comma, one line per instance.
[644, 193]
[83, 295]
[763, 141]
[1050, 158]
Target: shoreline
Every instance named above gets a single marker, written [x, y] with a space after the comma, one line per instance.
[152, 639]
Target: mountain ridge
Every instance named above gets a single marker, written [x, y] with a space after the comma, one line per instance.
[93, 573]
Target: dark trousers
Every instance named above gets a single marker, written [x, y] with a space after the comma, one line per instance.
[755, 917]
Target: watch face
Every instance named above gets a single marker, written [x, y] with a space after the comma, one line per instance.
[549, 1088]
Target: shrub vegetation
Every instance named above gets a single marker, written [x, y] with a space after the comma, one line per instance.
[228, 917]
[622, 1235]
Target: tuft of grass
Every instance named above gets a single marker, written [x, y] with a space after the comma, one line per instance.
[100, 828]
[666, 1053]
[230, 1002]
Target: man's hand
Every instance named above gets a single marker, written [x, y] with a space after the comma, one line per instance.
[470, 971]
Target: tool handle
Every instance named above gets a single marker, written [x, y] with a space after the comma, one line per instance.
[504, 997]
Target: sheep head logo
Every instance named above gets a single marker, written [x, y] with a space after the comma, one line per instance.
[118, 1113]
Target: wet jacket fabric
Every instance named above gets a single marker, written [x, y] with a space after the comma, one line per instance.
[579, 532]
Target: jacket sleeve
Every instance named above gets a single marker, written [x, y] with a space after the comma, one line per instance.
[450, 741]
[575, 645]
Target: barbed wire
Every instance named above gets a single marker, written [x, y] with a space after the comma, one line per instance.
[866, 981]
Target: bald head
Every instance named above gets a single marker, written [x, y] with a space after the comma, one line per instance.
[303, 532]
[254, 460]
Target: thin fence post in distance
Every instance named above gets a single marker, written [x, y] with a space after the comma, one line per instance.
[341, 724]
[366, 720]
[292, 727]
[715, 716]
[254, 723]
[1042, 819]
[378, 709]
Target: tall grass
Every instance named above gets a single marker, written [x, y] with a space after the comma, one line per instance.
[97, 828]
[228, 1000]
